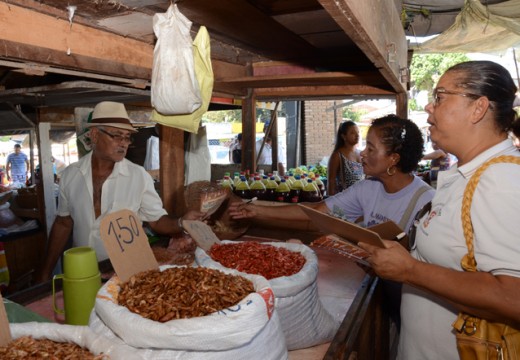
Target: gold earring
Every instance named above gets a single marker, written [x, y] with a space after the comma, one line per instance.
[389, 172]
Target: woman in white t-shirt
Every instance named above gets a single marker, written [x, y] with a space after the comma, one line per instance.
[470, 116]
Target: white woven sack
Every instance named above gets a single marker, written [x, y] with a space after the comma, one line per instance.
[223, 330]
[80, 335]
[174, 88]
[305, 321]
[267, 345]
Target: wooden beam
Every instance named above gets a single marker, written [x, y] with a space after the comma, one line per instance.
[305, 79]
[27, 35]
[313, 92]
[375, 27]
[248, 26]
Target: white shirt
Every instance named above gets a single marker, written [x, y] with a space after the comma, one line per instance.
[426, 331]
[266, 158]
[128, 187]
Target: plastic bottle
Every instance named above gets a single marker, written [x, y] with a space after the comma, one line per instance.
[296, 189]
[320, 185]
[270, 189]
[242, 189]
[236, 180]
[265, 180]
[310, 192]
[282, 191]
[277, 177]
[257, 189]
[227, 184]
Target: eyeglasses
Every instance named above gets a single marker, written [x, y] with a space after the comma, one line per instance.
[416, 222]
[117, 138]
[437, 99]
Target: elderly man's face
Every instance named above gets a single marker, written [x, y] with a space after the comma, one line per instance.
[111, 143]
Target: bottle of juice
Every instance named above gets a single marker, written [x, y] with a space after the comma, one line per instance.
[236, 178]
[242, 188]
[227, 184]
[320, 185]
[257, 189]
[282, 191]
[310, 192]
[265, 180]
[277, 177]
[270, 189]
[296, 189]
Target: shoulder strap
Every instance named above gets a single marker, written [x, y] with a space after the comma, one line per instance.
[468, 261]
[408, 212]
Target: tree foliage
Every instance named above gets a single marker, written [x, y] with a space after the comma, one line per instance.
[351, 114]
[427, 68]
[223, 116]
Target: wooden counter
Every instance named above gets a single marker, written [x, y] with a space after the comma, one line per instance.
[345, 290]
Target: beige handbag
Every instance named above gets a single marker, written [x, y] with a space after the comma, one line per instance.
[478, 338]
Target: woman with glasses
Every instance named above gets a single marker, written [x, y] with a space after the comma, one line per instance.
[470, 116]
[344, 168]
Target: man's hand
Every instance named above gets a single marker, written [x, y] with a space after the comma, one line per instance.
[241, 210]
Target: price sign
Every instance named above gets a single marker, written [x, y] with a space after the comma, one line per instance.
[127, 244]
[201, 233]
[5, 332]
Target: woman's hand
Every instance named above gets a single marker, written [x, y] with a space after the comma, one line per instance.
[241, 210]
[392, 263]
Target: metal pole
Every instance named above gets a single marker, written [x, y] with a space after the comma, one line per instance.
[516, 66]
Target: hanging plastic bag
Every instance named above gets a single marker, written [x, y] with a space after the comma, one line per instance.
[175, 89]
[197, 158]
[204, 74]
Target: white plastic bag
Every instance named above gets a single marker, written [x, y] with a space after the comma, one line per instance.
[197, 158]
[305, 321]
[80, 335]
[175, 89]
[204, 73]
[268, 344]
[249, 326]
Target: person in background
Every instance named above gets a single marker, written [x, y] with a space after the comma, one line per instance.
[439, 161]
[470, 117]
[266, 157]
[235, 150]
[17, 166]
[516, 132]
[344, 168]
[101, 182]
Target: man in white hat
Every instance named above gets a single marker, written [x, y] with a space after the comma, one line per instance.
[101, 182]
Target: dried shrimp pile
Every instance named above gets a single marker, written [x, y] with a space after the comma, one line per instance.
[180, 293]
[28, 348]
[261, 259]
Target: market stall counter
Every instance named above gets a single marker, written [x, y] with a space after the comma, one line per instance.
[342, 285]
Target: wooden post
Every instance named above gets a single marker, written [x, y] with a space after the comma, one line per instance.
[47, 174]
[171, 173]
[248, 133]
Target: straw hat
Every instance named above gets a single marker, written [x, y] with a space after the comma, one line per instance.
[109, 113]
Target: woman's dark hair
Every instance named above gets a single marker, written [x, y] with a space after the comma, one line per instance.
[489, 79]
[403, 137]
[342, 130]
